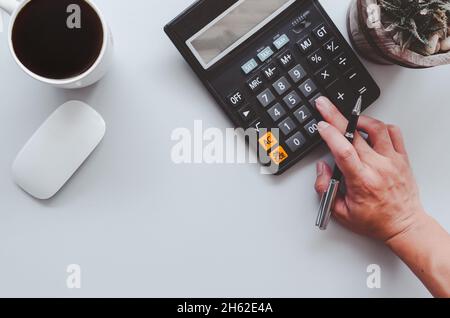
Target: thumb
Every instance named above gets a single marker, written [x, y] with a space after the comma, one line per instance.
[324, 175]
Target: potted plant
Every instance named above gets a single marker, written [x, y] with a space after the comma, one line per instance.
[410, 33]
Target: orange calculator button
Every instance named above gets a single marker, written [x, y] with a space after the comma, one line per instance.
[268, 141]
[278, 155]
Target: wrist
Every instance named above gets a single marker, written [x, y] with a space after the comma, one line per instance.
[418, 224]
[423, 246]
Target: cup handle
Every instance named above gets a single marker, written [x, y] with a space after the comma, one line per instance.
[9, 5]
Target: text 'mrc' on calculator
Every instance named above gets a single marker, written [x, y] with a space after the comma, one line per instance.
[267, 61]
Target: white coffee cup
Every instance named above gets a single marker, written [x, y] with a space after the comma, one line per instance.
[89, 77]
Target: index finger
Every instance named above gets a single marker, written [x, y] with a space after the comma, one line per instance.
[346, 157]
[332, 115]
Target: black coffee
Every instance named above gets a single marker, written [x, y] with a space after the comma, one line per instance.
[50, 42]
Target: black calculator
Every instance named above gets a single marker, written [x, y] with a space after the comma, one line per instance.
[266, 62]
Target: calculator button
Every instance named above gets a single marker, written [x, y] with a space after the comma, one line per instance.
[321, 32]
[312, 128]
[353, 77]
[276, 112]
[297, 73]
[249, 66]
[326, 75]
[303, 114]
[271, 71]
[236, 98]
[357, 83]
[247, 114]
[255, 83]
[341, 95]
[257, 125]
[286, 59]
[332, 47]
[278, 155]
[287, 126]
[308, 88]
[317, 60]
[292, 100]
[296, 142]
[343, 62]
[265, 54]
[268, 141]
[281, 42]
[313, 100]
[266, 98]
[305, 45]
[281, 86]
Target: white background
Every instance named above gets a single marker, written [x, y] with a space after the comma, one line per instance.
[140, 225]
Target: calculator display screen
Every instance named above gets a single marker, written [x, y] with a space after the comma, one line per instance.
[233, 27]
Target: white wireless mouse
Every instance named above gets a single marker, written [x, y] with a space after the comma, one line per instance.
[58, 149]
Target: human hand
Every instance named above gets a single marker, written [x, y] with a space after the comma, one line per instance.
[382, 197]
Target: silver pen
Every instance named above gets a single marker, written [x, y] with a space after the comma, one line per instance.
[329, 197]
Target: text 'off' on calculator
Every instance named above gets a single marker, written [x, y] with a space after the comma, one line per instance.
[267, 61]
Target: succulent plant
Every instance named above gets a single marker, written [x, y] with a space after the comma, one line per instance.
[414, 22]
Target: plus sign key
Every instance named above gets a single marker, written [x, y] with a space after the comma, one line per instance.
[342, 96]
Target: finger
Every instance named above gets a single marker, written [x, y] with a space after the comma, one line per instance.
[332, 115]
[341, 212]
[343, 151]
[378, 135]
[324, 175]
[397, 139]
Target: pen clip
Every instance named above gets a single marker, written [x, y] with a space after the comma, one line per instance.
[327, 204]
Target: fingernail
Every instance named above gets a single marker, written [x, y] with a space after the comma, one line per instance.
[323, 125]
[319, 168]
[322, 103]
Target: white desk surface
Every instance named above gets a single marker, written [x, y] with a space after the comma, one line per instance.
[140, 225]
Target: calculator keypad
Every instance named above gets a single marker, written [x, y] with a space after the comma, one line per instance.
[236, 98]
[327, 75]
[255, 83]
[317, 60]
[305, 45]
[296, 142]
[271, 71]
[247, 114]
[308, 88]
[266, 98]
[332, 47]
[340, 94]
[287, 126]
[285, 78]
[292, 100]
[312, 128]
[277, 112]
[286, 59]
[297, 73]
[343, 62]
[321, 32]
[281, 86]
[303, 114]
